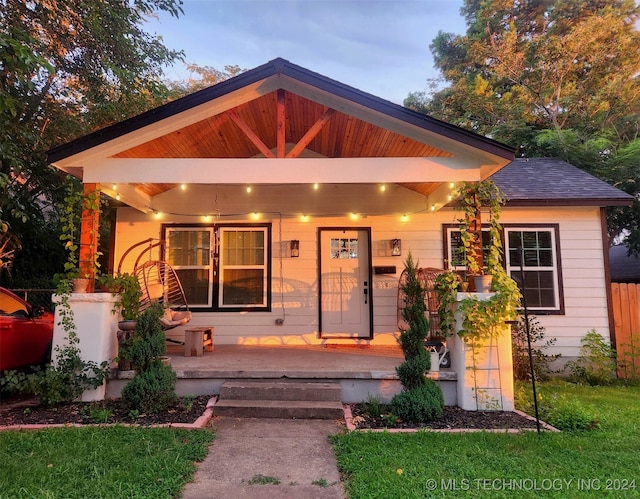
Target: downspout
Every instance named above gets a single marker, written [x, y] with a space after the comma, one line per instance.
[607, 276]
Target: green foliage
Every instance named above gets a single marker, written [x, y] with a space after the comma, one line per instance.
[551, 78]
[411, 371]
[120, 461]
[568, 414]
[370, 463]
[153, 390]
[541, 361]
[421, 403]
[148, 341]
[127, 287]
[68, 68]
[373, 406]
[446, 287]
[417, 362]
[596, 364]
[61, 382]
[485, 319]
[473, 197]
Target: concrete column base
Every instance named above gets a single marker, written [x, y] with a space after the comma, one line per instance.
[96, 327]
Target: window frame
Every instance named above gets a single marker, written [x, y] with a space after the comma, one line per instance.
[554, 229]
[215, 283]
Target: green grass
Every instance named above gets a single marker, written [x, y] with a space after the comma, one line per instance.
[108, 462]
[592, 463]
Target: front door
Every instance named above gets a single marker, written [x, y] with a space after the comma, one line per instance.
[345, 283]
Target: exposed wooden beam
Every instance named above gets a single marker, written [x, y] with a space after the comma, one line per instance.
[281, 125]
[251, 135]
[311, 134]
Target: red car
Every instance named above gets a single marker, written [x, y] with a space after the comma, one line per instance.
[26, 333]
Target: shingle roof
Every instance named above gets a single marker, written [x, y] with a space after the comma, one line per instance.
[551, 181]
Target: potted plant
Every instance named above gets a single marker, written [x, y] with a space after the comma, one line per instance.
[474, 196]
[78, 273]
[128, 289]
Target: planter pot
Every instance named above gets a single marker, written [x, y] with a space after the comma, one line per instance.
[166, 361]
[128, 325]
[483, 283]
[435, 362]
[81, 285]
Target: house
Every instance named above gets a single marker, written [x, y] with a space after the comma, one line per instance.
[288, 202]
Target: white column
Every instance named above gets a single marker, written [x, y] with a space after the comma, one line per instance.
[484, 369]
[96, 327]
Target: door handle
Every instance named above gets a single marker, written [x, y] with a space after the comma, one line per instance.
[366, 295]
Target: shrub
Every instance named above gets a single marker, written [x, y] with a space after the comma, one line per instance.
[541, 361]
[151, 391]
[411, 371]
[148, 341]
[420, 404]
[568, 414]
[373, 406]
[596, 364]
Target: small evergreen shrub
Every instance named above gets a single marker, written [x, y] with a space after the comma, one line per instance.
[148, 341]
[153, 390]
[411, 371]
[420, 404]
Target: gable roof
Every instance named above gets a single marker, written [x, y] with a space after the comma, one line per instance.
[553, 182]
[282, 74]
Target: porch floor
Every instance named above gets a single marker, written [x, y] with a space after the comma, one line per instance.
[361, 372]
[308, 362]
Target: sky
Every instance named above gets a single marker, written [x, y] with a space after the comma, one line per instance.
[377, 46]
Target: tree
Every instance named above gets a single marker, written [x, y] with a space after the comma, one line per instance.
[67, 67]
[548, 76]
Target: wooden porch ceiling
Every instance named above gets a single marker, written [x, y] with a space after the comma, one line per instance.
[282, 124]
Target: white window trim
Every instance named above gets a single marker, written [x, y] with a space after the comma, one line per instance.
[264, 266]
[208, 268]
[555, 260]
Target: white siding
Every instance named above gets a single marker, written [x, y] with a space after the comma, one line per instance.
[295, 289]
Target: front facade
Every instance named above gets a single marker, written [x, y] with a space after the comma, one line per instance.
[288, 203]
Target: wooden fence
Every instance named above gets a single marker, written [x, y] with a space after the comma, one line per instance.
[626, 316]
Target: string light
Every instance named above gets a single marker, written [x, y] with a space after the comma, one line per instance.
[304, 218]
[404, 218]
[183, 187]
[248, 189]
[383, 187]
[354, 216]
[316, 186]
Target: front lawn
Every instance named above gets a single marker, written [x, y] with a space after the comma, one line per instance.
[96, 462]
[601, 462]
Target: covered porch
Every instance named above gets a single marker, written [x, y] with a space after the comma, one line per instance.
[359, 370]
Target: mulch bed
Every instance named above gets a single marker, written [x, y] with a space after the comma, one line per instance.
[102, 412]
[453, 418]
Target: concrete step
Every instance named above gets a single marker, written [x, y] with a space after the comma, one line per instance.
[283, 409]
[280, 390]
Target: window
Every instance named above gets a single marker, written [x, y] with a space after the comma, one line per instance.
[455, 248]
[222, 267]
[189, 253]
[542, 277]
[243, 267]
[536, 248]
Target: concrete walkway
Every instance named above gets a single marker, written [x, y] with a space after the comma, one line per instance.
[295, 452]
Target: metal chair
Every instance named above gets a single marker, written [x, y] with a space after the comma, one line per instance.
[435, 341]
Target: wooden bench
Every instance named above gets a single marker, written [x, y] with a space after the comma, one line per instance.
[198, 338]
